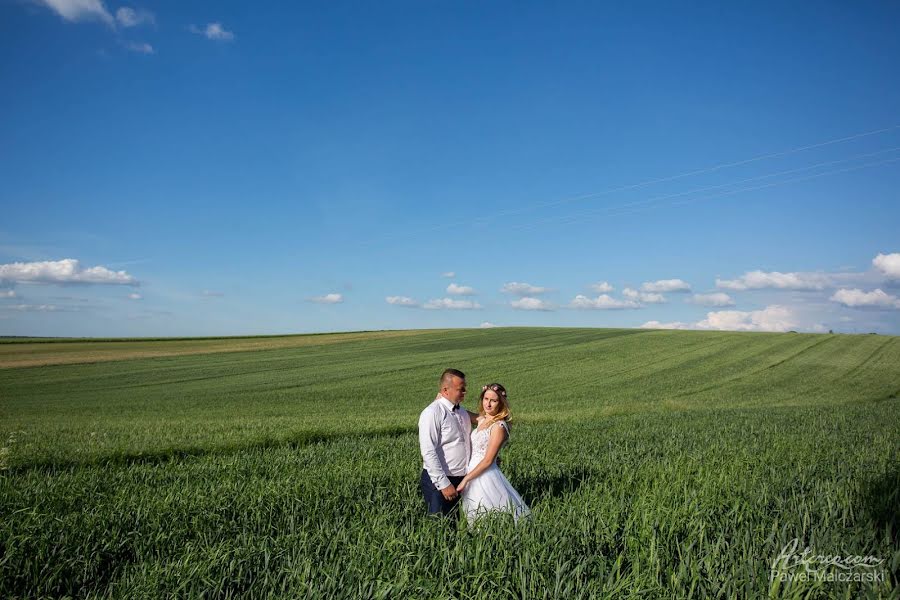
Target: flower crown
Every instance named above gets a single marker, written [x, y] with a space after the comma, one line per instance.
[495, 387]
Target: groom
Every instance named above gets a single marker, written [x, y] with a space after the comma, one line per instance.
[444, 429]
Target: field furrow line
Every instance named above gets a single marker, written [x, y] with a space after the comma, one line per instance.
[875, 353]
[731, 380]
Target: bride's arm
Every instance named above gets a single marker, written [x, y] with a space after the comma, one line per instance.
[498, 435]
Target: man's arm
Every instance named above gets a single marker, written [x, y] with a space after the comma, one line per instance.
[429, 440]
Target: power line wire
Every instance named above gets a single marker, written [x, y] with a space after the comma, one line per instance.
[713, 168]
[618, 209]
[732, 183]
[702, 171]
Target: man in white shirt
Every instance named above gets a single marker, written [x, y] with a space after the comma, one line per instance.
[444, 439]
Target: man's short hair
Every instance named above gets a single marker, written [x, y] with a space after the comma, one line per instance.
[449, 374]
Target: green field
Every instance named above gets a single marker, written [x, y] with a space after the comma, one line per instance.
[658, 464]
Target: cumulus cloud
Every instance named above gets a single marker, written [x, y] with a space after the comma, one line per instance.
[666, 285]
[76, 11]
[134, 296]
[328, 299]
[531, 304]
[714, 299]
[646, 297]
[486, 325]
[213, 294]
[602, 287]
[523, 289]
[401, 301]
[671, 325]
[213, 31]
[771, 318]
[460, 290]
[129, 17]
[758, 280]
[856, 298]
[451, 304]
[66, 271]
[449, 274]
[602, 302]
[888, 264]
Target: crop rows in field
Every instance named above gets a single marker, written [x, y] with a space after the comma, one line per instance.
[657, 464]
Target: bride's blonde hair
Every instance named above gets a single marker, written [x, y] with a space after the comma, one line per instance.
[503, 413]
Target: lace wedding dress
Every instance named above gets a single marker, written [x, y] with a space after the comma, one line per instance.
[490, 491]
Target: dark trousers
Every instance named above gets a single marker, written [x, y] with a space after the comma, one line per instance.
[434, 499]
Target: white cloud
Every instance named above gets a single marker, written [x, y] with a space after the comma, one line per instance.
[328, 299]
[213, 31]
[856, 298]
[888, 264]
[33, 307]
[602, 287]
[134, 296]
[486, 325]
[63, 271]
[666, 285]
[7, 293]
[531, 304]
[523, 289]
[460, 290]
[76, 11]
[401, 301]
[449, 274]
[140, 47]
[80, 10]
[714, 299]
[602, 302]
[672, 325]
[771, 318]
[646, 297]
[129, 17]
[757, 280]
[213, 294]
[451, 304]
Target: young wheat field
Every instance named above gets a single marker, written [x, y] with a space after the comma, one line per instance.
[658, 464]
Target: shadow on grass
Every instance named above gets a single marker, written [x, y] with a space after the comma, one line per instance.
[536, 489]
[175, 454]
[880, 501]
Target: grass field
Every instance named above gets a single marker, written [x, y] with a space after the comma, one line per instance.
[658, 464]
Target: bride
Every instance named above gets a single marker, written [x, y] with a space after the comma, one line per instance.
[485, 489]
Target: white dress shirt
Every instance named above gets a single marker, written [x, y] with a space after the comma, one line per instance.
[445, 442]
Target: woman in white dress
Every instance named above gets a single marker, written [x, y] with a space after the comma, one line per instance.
[485, 489]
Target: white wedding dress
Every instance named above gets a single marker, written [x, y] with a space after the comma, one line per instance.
[490, 491]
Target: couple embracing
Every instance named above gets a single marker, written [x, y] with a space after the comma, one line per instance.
[460, 450]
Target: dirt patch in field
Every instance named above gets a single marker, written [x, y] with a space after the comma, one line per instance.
[63, 353]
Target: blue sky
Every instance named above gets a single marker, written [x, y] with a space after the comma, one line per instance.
[189, 168]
